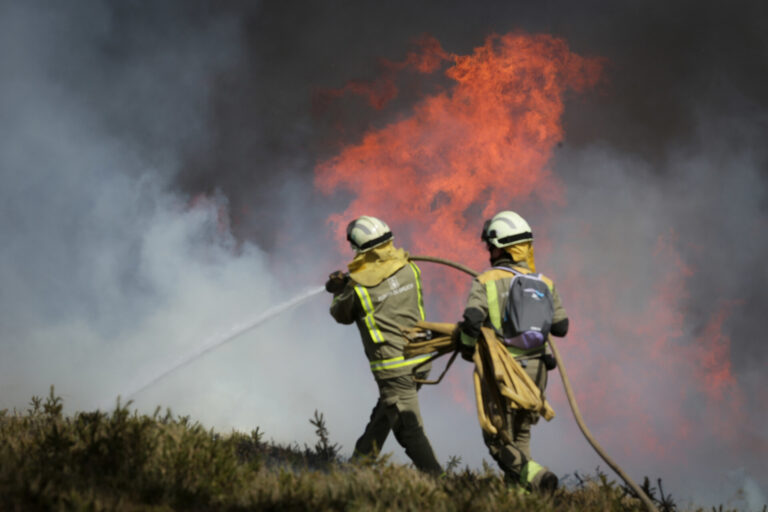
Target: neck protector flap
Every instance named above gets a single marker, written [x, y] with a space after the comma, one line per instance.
[372, 267]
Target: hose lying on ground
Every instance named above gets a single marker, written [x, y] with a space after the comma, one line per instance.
[443, 349]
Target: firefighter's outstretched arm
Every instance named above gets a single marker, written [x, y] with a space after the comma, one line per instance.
[344, 307]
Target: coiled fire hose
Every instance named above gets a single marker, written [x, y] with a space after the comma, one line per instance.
[498, 378]
[443, 345]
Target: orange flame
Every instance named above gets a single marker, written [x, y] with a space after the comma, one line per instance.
[484, 143]
[641, 376]
[382, 90]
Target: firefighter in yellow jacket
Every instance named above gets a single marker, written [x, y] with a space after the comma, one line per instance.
[509, 242]
[382, 293]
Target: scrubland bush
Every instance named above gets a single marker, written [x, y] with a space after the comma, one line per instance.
[126, 461]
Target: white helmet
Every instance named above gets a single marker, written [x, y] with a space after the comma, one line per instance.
[506, 228]
[364, 233]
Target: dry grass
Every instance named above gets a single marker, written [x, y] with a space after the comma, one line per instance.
[126, 461]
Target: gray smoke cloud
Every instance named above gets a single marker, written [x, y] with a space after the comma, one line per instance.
[109, 273]
[713, 219]
[156, 165]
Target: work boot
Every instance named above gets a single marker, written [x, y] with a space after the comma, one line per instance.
[548, 483]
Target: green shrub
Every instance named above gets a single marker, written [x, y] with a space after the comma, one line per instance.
[126, 461]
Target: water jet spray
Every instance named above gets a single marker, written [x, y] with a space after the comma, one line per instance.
[233, 332]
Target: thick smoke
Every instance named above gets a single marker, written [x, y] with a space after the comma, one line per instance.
[692, 224]
[156, 164]
[109, 273]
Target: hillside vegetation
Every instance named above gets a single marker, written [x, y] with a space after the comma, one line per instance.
[127, 461]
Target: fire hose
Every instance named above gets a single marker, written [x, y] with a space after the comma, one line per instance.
[443, 346]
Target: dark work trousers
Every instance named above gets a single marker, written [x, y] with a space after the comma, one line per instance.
[398, 410]
[512, 457]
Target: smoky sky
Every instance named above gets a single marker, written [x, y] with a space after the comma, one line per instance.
[157, 161]
[681, 77]
[666, 60]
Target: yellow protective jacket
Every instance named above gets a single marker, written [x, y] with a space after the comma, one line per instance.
[487, 300]
[380, 310]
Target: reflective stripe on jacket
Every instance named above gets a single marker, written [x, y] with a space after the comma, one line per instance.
[379, 312]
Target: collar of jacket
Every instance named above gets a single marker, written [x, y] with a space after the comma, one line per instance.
[494, 273]
[506, 261]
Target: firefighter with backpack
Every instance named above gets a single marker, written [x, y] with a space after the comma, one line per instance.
[522, 308]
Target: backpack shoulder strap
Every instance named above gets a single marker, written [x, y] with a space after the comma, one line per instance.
[495, 273]
[509, 269]
[550, 283]
[520, 271]
[528, 273]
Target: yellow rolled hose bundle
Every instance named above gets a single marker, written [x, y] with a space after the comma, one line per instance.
[498, 378]
[510, 377]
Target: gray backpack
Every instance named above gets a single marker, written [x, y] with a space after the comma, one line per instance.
[528, 311]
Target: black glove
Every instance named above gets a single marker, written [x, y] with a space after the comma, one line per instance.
[456, 337]
[466, 351]
[336, 282]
